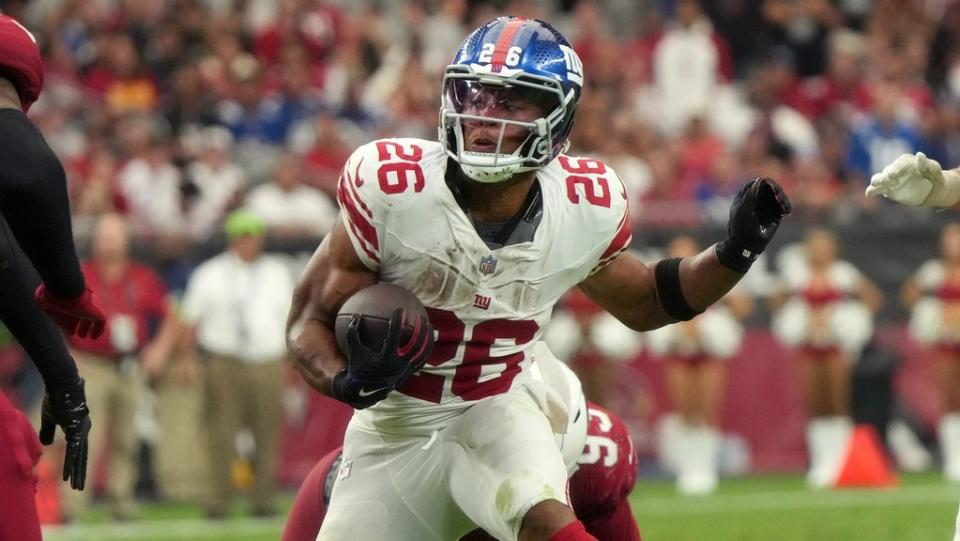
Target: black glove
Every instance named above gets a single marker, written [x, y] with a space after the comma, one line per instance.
[754, 218]
[371, 374]
[66, 406]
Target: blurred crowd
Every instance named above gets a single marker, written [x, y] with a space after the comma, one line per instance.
[175, 111]
[169, 115]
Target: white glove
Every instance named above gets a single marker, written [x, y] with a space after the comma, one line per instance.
[917, 181]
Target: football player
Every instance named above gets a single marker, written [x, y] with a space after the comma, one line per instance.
[488, 227]
[35, 209]
[918, 181]
[603, 477]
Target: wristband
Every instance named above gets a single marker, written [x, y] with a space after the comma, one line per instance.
[735, 256]
[667, 276]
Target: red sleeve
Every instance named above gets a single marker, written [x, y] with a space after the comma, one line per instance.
[358, 215]
[619, 243]
[620, 525]
[306, 516]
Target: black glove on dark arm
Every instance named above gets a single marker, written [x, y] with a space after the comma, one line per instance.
[755, 215]
[65, 405]
[371, 373]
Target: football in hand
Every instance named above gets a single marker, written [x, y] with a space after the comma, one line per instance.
[375, 305]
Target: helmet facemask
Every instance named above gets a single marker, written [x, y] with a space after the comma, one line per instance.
[469, 98]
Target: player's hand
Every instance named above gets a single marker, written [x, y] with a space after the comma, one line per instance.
[80, 316]
[917, 181]
[66, 406]
[754, 218]
[371, 373]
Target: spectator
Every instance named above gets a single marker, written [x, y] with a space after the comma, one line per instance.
[288, 207]
[189, 103]
[690, 62]
[234, 310]
[326, 156]
[802, 27]
[246, 113]
[121, 78]
[97, 191]
[150, 183]
[882, 137]
[134, 301]
[217, 183]
[313, 24]
[842, 90]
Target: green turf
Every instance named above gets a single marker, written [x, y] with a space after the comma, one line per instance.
[780, 508]
[759, 508]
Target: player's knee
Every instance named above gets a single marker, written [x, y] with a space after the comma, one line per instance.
[528, 497]
[544, 519]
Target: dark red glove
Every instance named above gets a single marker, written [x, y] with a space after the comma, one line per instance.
[80, 316]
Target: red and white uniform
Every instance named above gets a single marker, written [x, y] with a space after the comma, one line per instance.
[20, 61]
[935, 319]
[823, 311]
[470, 439]
[599, 487]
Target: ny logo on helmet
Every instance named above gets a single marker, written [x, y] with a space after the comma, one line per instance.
[574, 64]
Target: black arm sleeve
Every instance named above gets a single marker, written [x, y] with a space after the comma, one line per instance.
[36, 333]
[34, 202]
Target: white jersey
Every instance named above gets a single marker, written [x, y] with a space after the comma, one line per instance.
[488, 306]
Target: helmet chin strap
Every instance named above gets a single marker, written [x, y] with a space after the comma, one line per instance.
[490, 174]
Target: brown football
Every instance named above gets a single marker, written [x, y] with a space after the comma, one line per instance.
[375, 305]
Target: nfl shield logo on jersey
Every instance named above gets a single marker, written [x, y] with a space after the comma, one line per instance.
[488, 264]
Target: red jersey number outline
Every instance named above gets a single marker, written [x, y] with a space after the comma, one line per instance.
[470, 381]
[595, 189]
[397, 164]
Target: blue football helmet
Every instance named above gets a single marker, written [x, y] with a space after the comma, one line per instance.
[511, 58]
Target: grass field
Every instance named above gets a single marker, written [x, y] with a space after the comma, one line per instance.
[761, 508]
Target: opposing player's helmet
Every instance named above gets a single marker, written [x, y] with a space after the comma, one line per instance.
[529, 58]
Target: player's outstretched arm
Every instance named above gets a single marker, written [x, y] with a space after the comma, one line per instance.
[32, 184]
[680, 288]
[917, 181]
[333, 274]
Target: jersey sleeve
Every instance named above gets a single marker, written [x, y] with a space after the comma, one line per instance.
[615, 239]
[362, 207]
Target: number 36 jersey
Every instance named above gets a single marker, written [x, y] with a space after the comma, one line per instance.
[488, 306]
